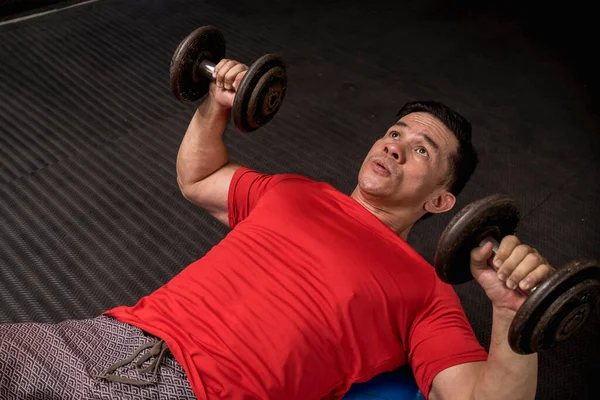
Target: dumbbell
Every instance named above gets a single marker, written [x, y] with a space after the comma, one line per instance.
[553, 310]
[261, 91]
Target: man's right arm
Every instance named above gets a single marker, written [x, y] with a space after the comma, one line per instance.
[204, 172]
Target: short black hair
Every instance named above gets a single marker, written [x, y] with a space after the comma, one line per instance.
[463, 162]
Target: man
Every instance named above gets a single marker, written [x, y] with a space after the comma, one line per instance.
[310, 292]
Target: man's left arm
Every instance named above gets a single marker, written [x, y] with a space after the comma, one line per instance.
[505, 374]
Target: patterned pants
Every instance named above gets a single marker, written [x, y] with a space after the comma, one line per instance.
[97, 358]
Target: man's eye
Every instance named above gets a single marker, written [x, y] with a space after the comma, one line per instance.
[394, 134]
[423, 151]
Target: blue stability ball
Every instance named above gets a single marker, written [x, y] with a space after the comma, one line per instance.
[396, 385]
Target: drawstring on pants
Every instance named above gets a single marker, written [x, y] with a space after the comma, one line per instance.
[158, 350]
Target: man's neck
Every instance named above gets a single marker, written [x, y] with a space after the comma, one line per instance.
[400, 220]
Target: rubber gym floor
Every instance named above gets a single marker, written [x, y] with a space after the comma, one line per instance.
[90, 213]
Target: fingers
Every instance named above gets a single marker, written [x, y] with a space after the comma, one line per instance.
[520, 265]
[238, 80]
[517, 255]
[232, 74]
[220, 66]
[507, 245]
[480, 255]
[226, 72]
[536, 276]
[221, 69]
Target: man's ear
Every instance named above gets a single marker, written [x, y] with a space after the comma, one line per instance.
[442, 202]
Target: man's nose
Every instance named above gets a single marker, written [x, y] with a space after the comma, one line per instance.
[396, 151]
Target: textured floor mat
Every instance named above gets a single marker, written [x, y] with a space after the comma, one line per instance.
[12, 11]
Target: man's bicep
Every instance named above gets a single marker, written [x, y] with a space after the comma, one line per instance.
[456, 382]
[212, 192]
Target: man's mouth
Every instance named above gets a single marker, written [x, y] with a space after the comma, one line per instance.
[381, 168]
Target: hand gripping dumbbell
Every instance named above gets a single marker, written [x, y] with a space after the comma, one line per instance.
[261, 91]
[554, 310]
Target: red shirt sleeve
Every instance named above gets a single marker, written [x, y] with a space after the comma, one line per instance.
[441, 337]
[245, 190]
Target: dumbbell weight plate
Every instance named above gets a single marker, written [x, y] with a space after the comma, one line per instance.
[494, 216]
[260, 94]
[205, 43]
[557, 308]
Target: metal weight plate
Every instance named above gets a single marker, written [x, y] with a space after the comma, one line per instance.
[493, 216]
[260, 93]
[205, 43]
[557, 308]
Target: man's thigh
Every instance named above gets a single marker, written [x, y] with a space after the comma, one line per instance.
[63, 360]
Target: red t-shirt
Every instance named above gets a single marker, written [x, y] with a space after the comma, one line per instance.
[306, 295]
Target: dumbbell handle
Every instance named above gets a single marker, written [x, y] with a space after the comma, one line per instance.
[495, 247]
[206, 68]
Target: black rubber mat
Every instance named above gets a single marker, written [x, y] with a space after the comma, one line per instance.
[13, 9]
[90, 213]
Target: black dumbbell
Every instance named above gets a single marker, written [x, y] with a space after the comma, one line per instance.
[554, 310]
[261, 91]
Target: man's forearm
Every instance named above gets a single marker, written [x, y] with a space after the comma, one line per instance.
[506, 374]
[202, 149]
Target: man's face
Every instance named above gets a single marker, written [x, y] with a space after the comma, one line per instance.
[406, 165]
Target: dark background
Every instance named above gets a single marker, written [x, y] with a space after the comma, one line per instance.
[90, 213]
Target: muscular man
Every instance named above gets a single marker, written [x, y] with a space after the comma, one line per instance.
[310, 292]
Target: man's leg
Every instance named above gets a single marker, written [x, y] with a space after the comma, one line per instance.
[67, 360]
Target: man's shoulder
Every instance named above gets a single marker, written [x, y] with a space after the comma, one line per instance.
[275, 177]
